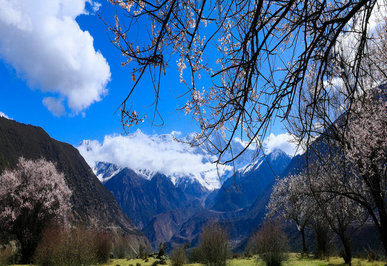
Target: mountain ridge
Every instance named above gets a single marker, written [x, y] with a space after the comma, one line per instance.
[93, 205]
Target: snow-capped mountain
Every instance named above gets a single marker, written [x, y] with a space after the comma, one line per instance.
[241, 190]
[147, 155]
[154, 200]
[105, 171]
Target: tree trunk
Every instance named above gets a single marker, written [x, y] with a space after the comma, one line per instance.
[27, 248]
[322, 239]
[304, 247]
[347, 256]
[383, 229]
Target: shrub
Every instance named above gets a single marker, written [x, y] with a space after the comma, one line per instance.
[142, 252]
[121, 248]
[10, 252]
[5, 255]
[178, 256]
[102, 243]
[372, 254]
[271, 243]
[194, 255]
[214, 247]
[72, 247]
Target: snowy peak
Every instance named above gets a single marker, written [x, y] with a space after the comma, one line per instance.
[147, 155]
[250, 167]
[277, 154]
[105, 171]
[145, 173]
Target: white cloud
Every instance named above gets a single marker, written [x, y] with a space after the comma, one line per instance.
[161, 153]
[95, 5]
[54, 105]
[349, 41]
[156, 153]
[43, 42]
[378, 15]
[284, 142]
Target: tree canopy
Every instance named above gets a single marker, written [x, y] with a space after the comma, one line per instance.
[32, 196]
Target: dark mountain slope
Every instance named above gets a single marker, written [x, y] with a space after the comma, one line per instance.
[142, 199]
[192, 188]
[240, 222]
[241, 190]
[93, 204]
[165, 225]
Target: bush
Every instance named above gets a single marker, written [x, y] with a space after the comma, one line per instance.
[121, 248]
[72, 247]
[214, 248]
[162, 249]
[142, 252]
[194, 255]
[10, 252]
[5, 255]
[178, 256]
[271, 243]
[371, 254]
[102, 243]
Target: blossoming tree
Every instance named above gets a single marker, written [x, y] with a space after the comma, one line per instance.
[31, 196]
[308, 199]
[289, 201]
[243, 63]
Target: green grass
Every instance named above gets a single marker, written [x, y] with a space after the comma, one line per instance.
[294, 260]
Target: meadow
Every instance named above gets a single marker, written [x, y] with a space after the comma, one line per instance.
[294, 260]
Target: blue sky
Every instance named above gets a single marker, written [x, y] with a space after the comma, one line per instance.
[59, 71]
[35, 75]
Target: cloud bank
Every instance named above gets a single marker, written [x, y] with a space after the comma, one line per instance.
[156, 153]
[284, 142]
[161, 153]
[43, 42]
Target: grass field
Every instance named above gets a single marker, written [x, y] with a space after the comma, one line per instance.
[294, 260]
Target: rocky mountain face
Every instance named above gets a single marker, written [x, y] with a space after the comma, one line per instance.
[241, 208]
[241, 190]
[93, 204]
[156, 205]
[142, 199]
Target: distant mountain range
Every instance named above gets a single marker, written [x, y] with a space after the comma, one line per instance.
[175, 211]
[93, 205]
[208, 175]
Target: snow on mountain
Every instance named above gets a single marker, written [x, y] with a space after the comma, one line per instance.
[145, 173]
[105, 171]
[251, 166]
[151, 154]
